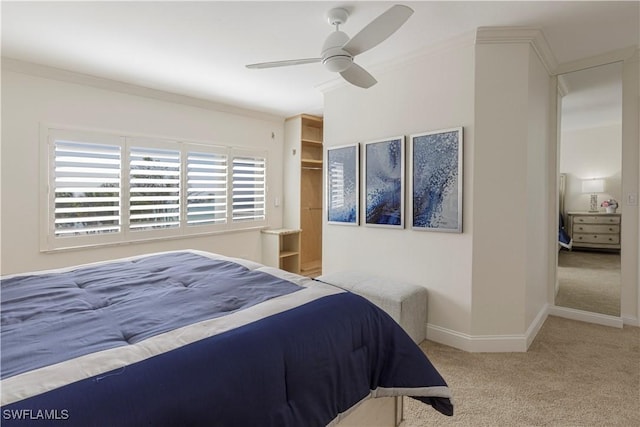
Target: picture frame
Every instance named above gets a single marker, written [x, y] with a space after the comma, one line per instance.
[436, 180]
[384, 163]
[343, 185]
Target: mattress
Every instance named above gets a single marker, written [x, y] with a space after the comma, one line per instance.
[194, 338]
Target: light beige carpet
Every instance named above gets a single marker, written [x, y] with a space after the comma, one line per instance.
[589, 281]
[574, 374]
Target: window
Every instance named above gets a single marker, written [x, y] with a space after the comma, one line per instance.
[249, 184]
[206, 188]
[86, 188]
[111, 189]
[154, 188]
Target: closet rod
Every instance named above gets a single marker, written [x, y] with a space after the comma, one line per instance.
[311, 169]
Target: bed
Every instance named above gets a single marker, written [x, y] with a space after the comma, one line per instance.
[195, 338]
[564, 240]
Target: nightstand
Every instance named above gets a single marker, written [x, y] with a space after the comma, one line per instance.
[595, 230]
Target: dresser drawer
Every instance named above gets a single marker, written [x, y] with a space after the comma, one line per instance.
[596, 228]
[596, 219]
[603, 239]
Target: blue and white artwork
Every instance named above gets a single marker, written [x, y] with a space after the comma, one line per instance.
[384, 182]
[343, 184]
[436, 180]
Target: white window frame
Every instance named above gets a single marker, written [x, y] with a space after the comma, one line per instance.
[48, 240]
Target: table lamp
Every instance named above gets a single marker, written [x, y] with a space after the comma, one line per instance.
[593, 186]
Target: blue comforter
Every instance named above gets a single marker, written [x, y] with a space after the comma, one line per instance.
[183, 339]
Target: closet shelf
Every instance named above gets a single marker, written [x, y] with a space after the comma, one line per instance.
[311, 142]
[284, 254]
[311, 162]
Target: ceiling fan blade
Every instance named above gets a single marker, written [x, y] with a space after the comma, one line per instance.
[284, 63]
[378, 30]
[358, 76]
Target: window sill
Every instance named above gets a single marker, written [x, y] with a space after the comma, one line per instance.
[152, 239]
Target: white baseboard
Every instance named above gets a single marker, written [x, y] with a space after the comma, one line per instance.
[537, 323]
[488, 343]
[586, 316]
[476, 343]
[520, 343]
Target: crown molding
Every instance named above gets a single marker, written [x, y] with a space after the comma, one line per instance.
[563, 86]
[456, 42]
[627, 54]
[482, 35]
[532, 35]
[47, 72]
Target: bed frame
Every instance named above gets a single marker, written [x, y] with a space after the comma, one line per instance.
[380, 412]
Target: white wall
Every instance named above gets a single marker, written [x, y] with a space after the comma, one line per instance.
[488, 287]
[291, 173]
[500, 189]
[593, 152]
[541, 229]
[630, 251]
[511, 187]
[28, 101]
[431, 92]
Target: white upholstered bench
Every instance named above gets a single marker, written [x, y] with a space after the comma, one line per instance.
[404, 302]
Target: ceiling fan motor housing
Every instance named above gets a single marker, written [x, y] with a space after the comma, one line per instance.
[334, 57]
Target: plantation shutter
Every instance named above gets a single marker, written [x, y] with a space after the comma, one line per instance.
[248, 188]
[154, 188]
[206, 188]
[108, 188]
[86, 188]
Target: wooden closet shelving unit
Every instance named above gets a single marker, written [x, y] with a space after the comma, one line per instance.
[303, 187]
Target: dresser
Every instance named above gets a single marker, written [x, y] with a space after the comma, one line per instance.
[595, 230]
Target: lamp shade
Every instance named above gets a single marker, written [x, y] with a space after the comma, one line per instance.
[593, 186]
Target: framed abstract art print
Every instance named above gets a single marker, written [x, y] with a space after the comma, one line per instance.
[384, 182]
[343, 186]
[436, 180]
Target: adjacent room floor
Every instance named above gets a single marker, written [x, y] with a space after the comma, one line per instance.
[589, 281]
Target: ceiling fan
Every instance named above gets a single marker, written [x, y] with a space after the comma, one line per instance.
[339, 50]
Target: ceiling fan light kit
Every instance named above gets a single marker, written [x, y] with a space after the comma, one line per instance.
[333, 56]
[338, 63]
[339, 50]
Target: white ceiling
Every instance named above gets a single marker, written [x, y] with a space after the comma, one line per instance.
[200, 48]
